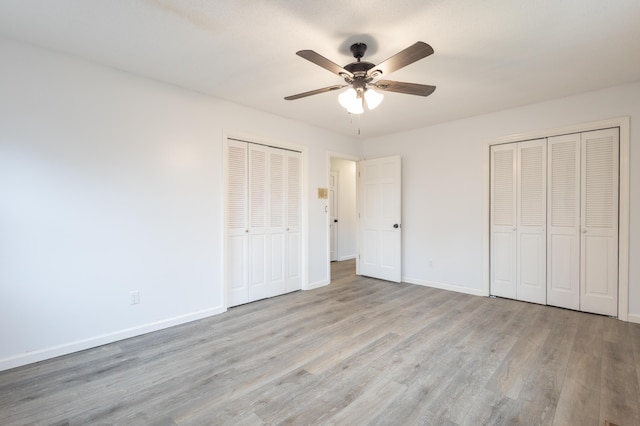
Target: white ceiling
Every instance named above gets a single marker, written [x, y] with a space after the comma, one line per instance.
[489, 55]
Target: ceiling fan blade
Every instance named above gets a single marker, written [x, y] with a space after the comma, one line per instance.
[320, 60]
[315, 92]
[401, 59]
[406, 88]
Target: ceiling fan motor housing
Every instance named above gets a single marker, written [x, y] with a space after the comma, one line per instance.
[359, 69]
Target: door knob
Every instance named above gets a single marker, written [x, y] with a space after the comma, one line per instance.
[335, 220]
[395, 225]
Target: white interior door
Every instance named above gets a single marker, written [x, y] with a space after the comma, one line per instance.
[236, 246]
[531, 221]
[563, 216]
[333, 216]
[259, 255]
[599, 217]
[277, 216]
[503, 221]
[294, 222]
[380, 214]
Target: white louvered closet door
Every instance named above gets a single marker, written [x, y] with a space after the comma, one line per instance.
[531, 221]
[503, 221]
[563, 216]
[277, 218]
[236, 244]
[293, 247]
[599, 217]
[258, 221]
[263, 214]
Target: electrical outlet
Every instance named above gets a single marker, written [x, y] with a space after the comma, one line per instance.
[134, 297]
[430, 263]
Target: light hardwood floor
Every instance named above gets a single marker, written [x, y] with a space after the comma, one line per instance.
[360, 351]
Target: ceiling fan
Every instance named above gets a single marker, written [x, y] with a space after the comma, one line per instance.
[361, 76]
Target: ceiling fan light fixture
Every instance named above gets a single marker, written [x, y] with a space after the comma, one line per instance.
[356, 107]
[348, 97]
[350, 100]
[373, 98]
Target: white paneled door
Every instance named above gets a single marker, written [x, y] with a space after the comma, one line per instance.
[531, 221]
[236, 223]
[380, 213]
[293, 247]
[599, 221]
[563, 236]
[263, 196]
[518, 219]
[258, 184]
[503, 220]
[277, 235]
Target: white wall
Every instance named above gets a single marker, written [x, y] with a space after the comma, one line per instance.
[443, 184]
[111, 183]
[346, 207]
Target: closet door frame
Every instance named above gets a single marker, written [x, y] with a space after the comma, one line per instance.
[303, 229]
[623, 123]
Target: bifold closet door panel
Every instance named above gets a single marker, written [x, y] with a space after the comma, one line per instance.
[277, 218]
[503, 221]
[531, 221]
[258, 222]
[563, 218]
[236, 218]
[293, 252]
[599, 217]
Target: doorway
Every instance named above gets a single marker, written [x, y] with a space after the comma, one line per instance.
[342, 209]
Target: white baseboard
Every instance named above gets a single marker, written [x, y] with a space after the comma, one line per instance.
[317, 284]
[634, 318]
[92, 342]
[443, 286]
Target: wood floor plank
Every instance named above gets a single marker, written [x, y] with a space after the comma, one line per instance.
[590, 335]
[619, 394]
[367, 406]
[510, 377]
[490, 408]
[539, 395]
[634, 330]
[579, 401]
